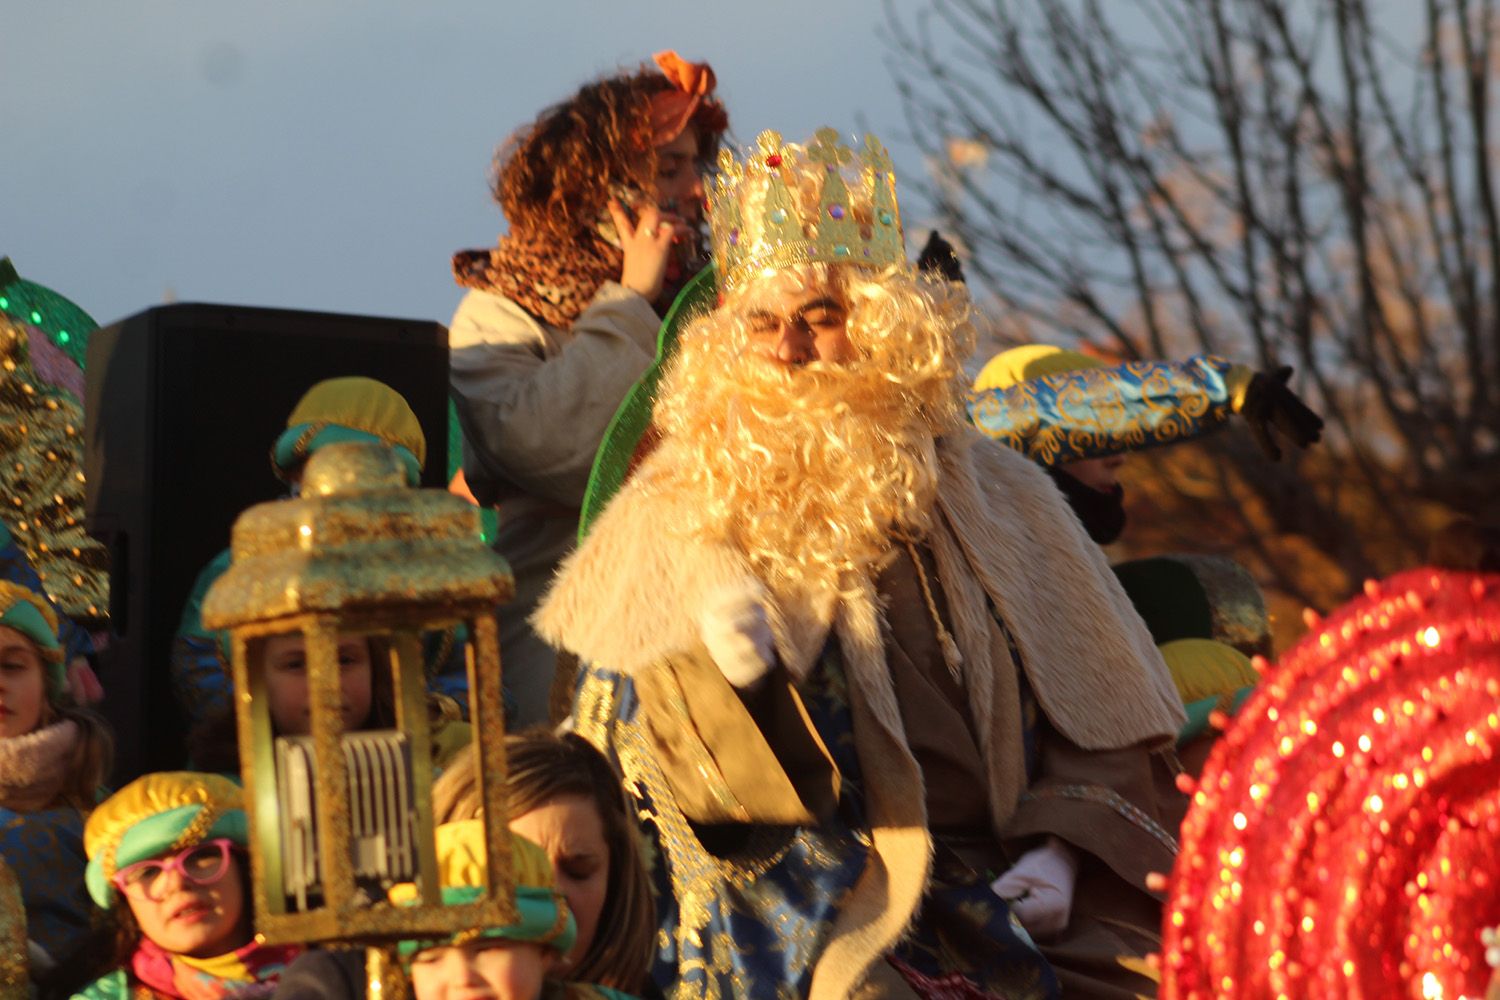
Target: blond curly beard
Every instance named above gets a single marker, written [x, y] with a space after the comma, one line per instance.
[810, 471]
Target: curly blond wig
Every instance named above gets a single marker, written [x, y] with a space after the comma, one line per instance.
[810, 470]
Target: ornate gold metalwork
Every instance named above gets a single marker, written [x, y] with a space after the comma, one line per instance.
[762, 217]
[14, 978]
[383, 977]
[41, 481]
[360, 552]
[358, 537]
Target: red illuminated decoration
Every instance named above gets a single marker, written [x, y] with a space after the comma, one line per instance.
[1344, 839]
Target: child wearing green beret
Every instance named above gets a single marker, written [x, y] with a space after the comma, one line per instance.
[517, 961]
[334, 411]
[511, 962]
[166, 857]
[54, 755]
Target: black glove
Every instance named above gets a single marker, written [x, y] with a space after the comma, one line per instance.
[1269, 403]
[938, 255]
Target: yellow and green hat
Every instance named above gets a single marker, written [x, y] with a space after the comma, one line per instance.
[1029, 361]
[30, 614]
[157, 814]
[543, 914]
[1211, 676]
[1206, 668]
[353, 408]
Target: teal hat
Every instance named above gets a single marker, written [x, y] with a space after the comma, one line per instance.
[299, 441]
[155, 815]
[542, 914]
[351, 409]
[541, 919]
[30, 614]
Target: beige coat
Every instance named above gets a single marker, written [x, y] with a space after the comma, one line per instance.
[630, 599]
[534, 402]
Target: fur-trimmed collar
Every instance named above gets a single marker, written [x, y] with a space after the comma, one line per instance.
[632, 593]
[34, 767]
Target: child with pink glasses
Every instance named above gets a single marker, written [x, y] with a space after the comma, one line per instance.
[167, 859]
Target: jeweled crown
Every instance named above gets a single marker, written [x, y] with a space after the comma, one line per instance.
[787, 204]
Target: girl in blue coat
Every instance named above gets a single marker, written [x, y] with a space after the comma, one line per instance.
[53, 758]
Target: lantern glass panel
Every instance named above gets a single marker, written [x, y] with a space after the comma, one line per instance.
[379, 724]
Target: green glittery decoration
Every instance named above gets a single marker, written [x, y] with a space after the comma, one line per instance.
[41, 481]
[64, 323]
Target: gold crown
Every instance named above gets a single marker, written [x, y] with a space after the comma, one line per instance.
[787, 204]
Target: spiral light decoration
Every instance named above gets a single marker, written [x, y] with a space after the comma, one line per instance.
[1344, 836]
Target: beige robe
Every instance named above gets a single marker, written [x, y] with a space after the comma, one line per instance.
[630, 600]
[534, 402]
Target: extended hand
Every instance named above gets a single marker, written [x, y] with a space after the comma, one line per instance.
[647, 244]
[1039, 887]
[1270, 403]
[735, 628]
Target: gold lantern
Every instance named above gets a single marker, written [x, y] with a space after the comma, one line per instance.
[336, 818]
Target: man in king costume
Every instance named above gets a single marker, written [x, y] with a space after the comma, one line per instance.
[895, 727]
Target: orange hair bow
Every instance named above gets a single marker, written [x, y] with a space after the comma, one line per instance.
[692, 78]
[691, 98]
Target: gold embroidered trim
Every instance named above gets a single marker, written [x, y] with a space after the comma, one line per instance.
[698, 877]
[299, 450]
[1105, 797]
[197, 829]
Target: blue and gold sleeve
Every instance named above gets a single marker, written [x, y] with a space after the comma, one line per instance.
[1106, 411]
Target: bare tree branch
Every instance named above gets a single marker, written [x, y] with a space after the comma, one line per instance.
[1306, 180]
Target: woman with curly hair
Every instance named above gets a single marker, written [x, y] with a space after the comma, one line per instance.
[604, 199]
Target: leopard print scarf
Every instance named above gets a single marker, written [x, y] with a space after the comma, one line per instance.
[553, 285]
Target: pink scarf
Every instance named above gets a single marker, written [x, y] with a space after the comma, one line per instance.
[246, 973]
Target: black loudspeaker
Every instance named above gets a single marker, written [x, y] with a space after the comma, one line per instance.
[183, 404]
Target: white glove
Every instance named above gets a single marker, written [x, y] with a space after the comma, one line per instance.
[735, 628]
[1039, 887]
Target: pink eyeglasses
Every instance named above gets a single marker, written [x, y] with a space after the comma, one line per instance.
[203, 864]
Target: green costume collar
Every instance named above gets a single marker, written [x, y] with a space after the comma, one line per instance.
[612, 461]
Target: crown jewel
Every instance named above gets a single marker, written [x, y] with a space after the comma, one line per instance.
[787, 204]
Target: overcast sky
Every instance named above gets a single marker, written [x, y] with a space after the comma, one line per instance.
[332, 154]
